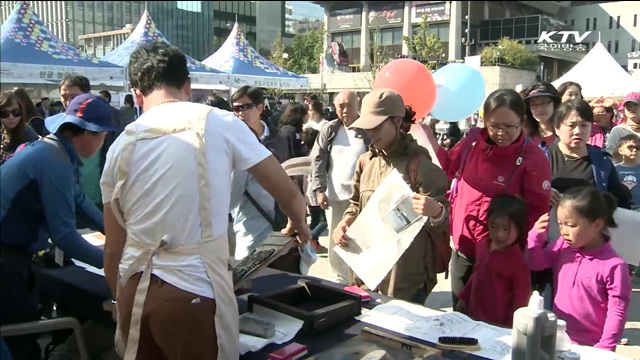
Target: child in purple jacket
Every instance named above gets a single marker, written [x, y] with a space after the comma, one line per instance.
[591, 282]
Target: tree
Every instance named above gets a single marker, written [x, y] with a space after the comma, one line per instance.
[277, 57]
[277, 52]
[510, 52]
[425, 46]
[306, 50]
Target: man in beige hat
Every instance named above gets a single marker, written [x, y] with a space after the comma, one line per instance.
[383, 115]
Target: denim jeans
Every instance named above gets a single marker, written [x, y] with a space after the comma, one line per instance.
[318, 222]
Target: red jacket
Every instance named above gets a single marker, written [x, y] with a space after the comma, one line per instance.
[499, 285]
[485, 174]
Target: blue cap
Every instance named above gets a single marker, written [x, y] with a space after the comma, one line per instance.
[88, 111]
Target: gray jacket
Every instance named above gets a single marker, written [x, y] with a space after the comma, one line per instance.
[321, 151]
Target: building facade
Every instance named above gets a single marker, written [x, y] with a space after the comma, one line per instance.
[614, 23]
[286, 18]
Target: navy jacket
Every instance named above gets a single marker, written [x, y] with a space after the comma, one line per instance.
[38, 201]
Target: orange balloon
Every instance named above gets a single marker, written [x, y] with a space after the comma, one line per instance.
[412, 80]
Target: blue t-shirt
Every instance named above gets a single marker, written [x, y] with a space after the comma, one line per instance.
[629, 176]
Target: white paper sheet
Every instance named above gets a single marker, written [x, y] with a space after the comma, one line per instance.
[427, 324]
[624, 238]
[89, 268]
[383, 231]
[286, 328]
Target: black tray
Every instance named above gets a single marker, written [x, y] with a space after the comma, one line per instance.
[326, 307]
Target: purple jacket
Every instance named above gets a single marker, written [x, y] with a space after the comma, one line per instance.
[592, 289]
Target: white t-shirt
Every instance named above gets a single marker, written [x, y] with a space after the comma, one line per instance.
[346, 148]
[161, 194]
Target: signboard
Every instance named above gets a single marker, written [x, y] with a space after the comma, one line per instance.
[381, 14]
[433, 10]
[345, 19]
[52, 74]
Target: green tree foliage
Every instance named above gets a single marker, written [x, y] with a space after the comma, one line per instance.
[424, 45]
[277, 52]
[510, 52]
[306, 50]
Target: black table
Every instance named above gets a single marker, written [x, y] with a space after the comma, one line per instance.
[85, 292]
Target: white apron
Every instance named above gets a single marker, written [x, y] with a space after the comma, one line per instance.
[214, 252]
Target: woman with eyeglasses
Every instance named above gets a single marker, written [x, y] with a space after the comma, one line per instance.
[254, 211]
[541, 100]
[499, 159]
[15, 130]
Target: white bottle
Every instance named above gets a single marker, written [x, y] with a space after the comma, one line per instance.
[563, 342]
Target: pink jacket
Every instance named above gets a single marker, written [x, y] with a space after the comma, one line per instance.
[597, 136]
[592, 289]
[485, 174]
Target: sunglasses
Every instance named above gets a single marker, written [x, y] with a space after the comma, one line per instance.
[6, 113]
[243, 107]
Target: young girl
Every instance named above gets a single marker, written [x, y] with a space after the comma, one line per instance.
[500, 282]
[592, 286]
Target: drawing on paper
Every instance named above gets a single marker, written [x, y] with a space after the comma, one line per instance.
[402, 216]
[500, 349]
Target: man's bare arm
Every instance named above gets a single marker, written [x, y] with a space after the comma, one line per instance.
[115, 239]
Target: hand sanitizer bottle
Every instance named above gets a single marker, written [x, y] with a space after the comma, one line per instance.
[534, 331]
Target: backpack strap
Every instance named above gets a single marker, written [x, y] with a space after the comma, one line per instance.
[259, 208]
[518, 162]
[412, 168]
[466, 150]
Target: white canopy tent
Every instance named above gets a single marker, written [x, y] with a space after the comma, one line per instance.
[599, 74]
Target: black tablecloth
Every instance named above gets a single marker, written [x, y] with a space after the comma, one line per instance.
[85, 292]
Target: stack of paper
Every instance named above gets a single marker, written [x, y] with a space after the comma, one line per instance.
[286, 328]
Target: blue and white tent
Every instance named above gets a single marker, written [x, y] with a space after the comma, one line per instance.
[146, 33]
[31, 54]
[247, 67]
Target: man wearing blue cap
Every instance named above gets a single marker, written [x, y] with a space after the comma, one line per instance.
[38, 201]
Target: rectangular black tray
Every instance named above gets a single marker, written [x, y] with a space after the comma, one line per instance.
[326, 307]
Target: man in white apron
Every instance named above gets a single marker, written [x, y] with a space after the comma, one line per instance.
[166, 188]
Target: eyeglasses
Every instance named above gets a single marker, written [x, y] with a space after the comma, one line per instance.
[542, 104]
[507, 128]
[6, 113]
[242, 108]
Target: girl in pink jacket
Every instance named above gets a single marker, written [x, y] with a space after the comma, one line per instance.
[591, 282]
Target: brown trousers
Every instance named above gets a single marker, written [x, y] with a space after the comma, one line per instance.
[176, 324]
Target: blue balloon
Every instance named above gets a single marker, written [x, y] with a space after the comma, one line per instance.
[460, 92]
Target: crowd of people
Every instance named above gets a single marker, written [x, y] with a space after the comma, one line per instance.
[184, 188]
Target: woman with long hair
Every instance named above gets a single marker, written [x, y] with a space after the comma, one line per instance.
[316, 116]
[15, 131]
[292, 122]
[30, 112]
